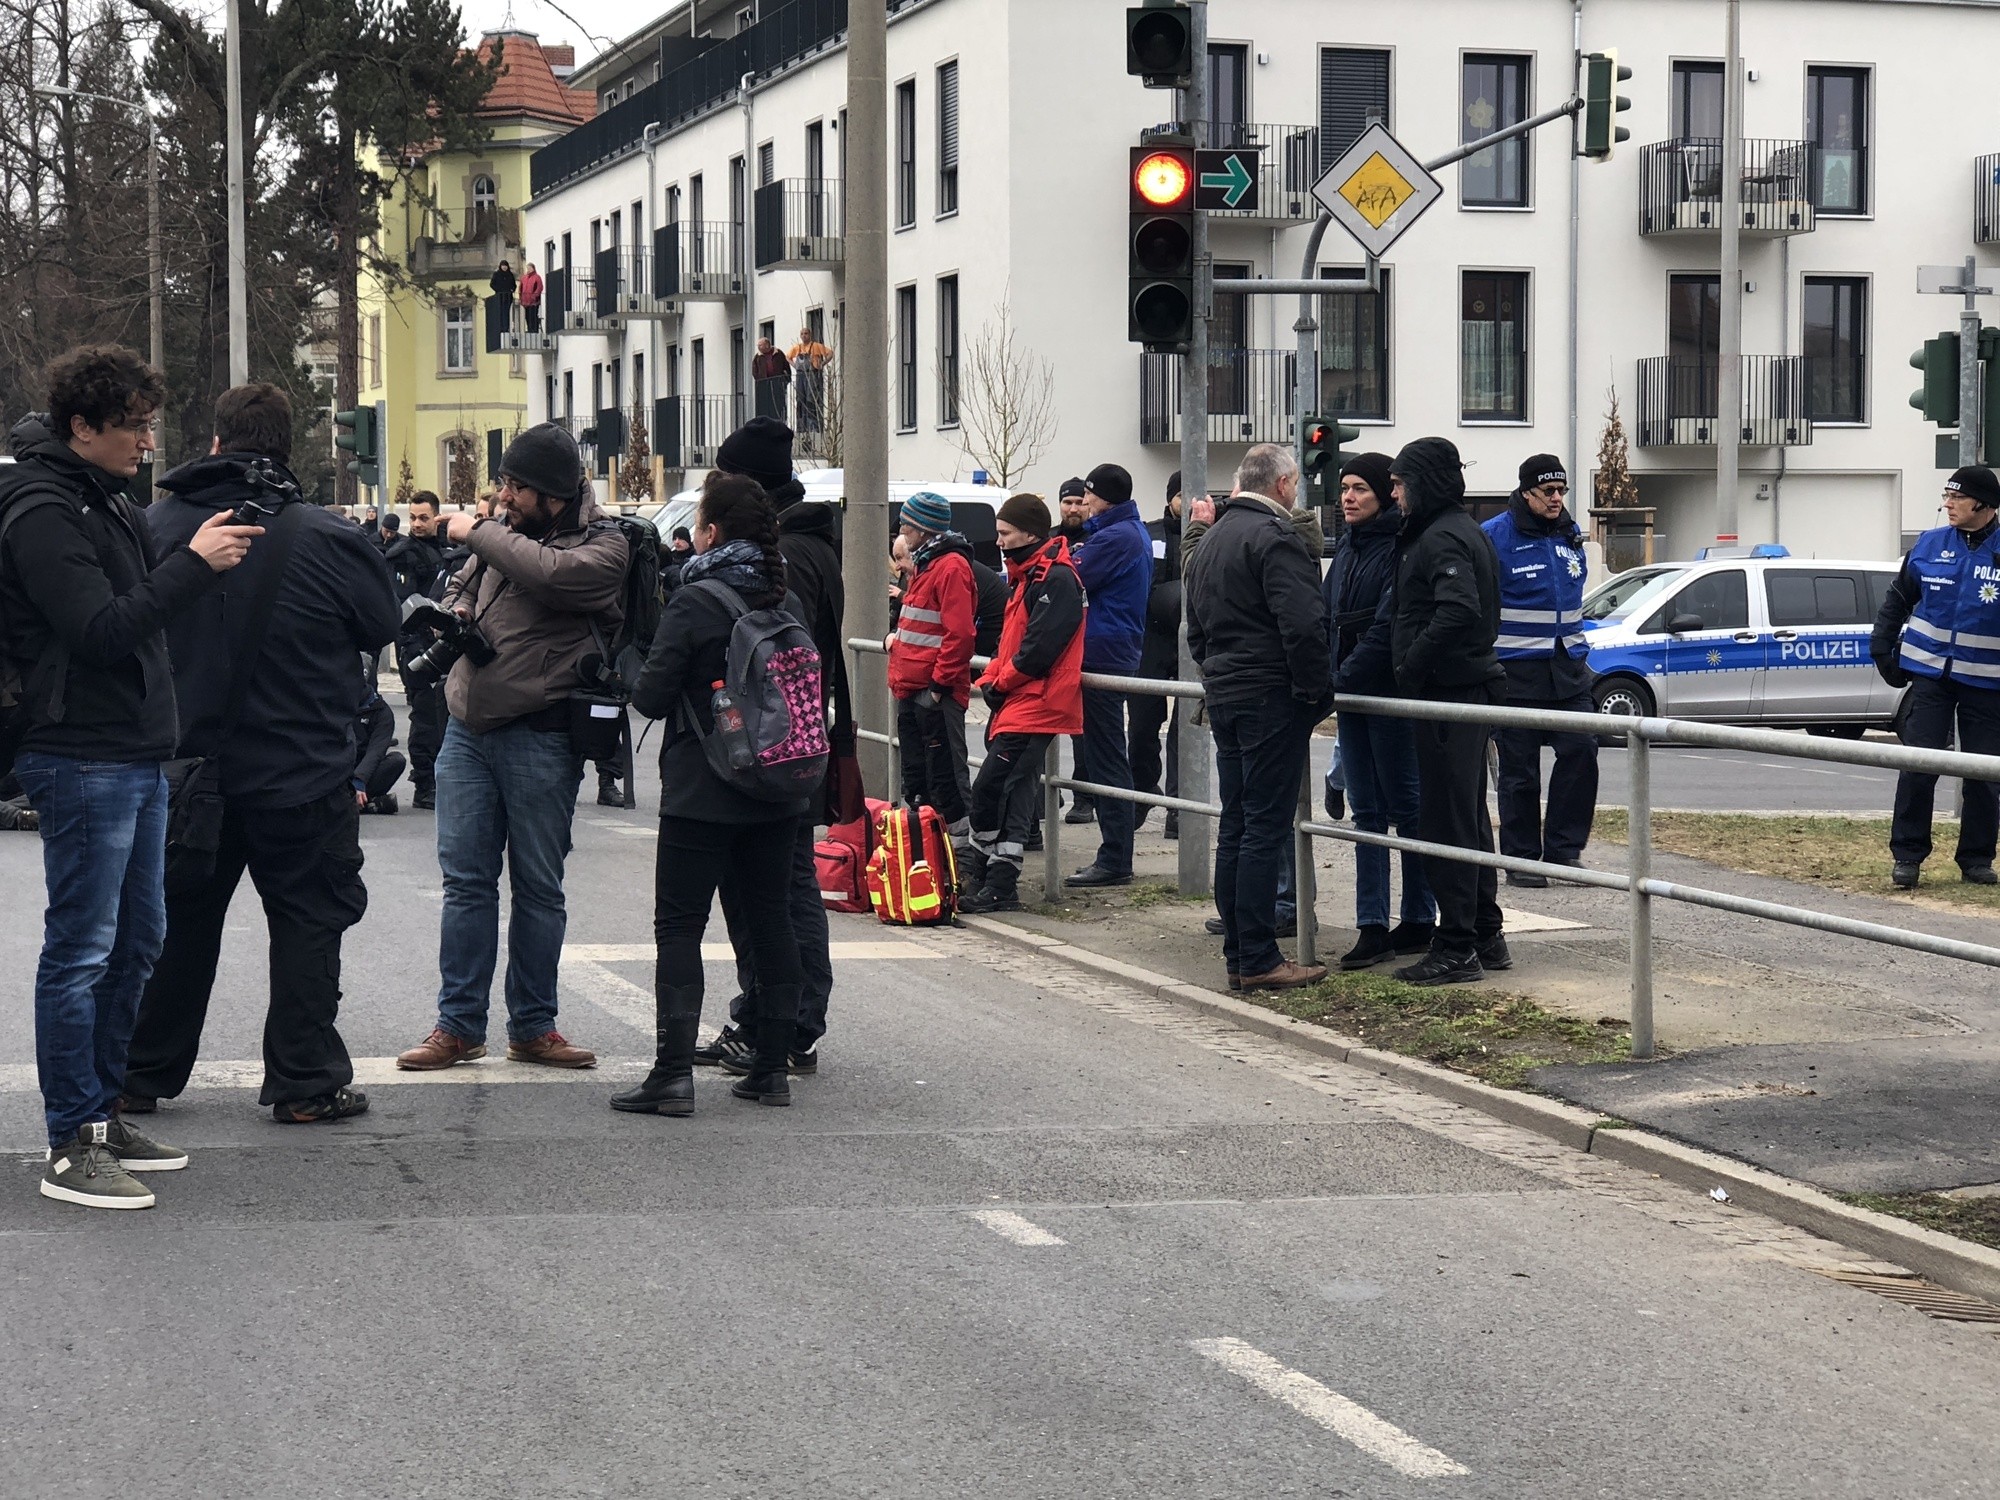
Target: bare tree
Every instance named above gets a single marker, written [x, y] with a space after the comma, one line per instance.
[1615, 486]
[463, 473]
[635, 471]
[1004, 398]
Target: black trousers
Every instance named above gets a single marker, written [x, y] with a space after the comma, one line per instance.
[1451, 772]
[426, 732]
[754, 860]
[1934, 705]
[306, 865]
[808, 910]
[1560, 836]
[1007, 794]
[1146, 713]
[1105, 762]
[933, 756]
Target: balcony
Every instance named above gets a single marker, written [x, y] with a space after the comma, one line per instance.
[1986, 200]
[570, 305]
[445, 251]
[688, 429]
[697, 261]
[1288, 157]
[520, 341]
[1680, 187]
[1678, 401]
[799, 225]
[1249, 396]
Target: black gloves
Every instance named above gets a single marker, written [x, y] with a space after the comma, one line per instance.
[1891, 671]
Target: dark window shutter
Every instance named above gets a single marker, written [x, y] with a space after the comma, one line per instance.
[948, 117]
[496, 444]
[1353, 88]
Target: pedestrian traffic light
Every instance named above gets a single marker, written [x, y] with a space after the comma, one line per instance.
[1320, 445]
[356, 432]
[1602, 104]
[1159, 44]
[1160, 298]
[1937, 398]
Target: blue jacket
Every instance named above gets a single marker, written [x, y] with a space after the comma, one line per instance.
[1116, 565]
[1955, 622]
[1542, 641]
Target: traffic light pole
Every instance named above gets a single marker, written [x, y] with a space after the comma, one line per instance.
[1971, 409]
[1729, 363]
[1197, 834]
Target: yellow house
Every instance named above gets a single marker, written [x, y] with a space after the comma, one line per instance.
[441, 352]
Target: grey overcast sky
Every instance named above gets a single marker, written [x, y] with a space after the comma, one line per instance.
[588, 24]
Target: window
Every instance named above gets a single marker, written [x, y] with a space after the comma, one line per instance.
[739, 374]
[1493, 347]
[458, 338]
[1228, 94]
[1354, 350]
[767, 164]
[906, 359]
[738, 214]
[1493, 94]
[1694, 344]
[569, 400]
[906, 154]
[816, 179]
[1798, 597]
[485, 197]
[1836, 335]
[1697, 101]
[697, 241]
[1837, 130]
[1229, 357]
[1721, 601]
[947, 147]
[947, 314]
[549, 408]
[1353, 93]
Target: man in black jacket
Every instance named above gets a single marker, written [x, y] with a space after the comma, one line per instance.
[1160, 659]
[761, 449]
[1446, 618]
[417, 561]
[286, 765]
[84, 594]
[1255, 628]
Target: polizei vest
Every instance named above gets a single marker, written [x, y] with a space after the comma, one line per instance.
[1956, 621]
[1541, 593]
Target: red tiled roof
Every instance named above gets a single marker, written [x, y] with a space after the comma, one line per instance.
[527, 85]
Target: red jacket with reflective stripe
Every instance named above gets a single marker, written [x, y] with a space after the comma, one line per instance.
[935, 630]
[1038, 668]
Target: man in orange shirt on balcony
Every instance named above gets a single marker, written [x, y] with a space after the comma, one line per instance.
[809, 359]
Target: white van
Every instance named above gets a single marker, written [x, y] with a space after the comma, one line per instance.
[974, 507]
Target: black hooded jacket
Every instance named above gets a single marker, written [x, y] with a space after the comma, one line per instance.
[1446, 607]
[810, 540]
[87, 574]
[1160, 657]
[295, 740]
[1254, 616]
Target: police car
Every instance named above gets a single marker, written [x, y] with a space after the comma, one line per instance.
[1752, 636]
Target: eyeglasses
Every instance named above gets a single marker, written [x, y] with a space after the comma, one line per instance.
[136, 424]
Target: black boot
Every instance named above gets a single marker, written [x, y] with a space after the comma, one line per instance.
[1370, 951]
[669, 1088]
[609, 793]
[767, 1076]
[972, 866]
[1002, 891]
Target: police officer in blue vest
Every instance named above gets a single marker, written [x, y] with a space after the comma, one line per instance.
[1939, 631]
[1543, 648]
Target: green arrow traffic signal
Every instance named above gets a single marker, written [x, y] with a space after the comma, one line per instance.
[1233, 182]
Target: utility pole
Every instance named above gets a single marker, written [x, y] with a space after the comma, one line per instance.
[1197, 833]
[239, 259]
[1729, 372]
[864, 364]
[1971, 411]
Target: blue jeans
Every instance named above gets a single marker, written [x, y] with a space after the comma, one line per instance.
[104, 842]
[1379, 755]
[512, 791]
[1260, 753]
[1105, 762]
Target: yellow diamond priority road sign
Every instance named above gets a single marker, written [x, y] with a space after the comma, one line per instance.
[1376, 190]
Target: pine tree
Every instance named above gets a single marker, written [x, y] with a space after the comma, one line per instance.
[1615, 486]
[406, 482]
[464, 471]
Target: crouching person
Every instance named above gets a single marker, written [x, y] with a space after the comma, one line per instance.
[1034, 687]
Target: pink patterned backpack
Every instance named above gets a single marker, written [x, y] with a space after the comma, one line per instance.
[772, 678]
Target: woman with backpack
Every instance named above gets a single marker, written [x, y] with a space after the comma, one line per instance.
[712, 832]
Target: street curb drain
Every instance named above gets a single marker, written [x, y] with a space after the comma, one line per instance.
[1950, 1265]
[1913, 1291]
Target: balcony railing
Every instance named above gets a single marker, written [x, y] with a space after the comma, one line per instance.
[1680, 187]
[1678, 401]
[1249, 396]
[571, 304]
[1986, 199]
[688, 429]
[697, 261]
[1288, 161]
[799, 225]
[466, 245]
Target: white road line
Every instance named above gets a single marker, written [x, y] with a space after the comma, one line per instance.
[1013, 1227]
[1338, 1415]
[627, 953]
[380, 1072]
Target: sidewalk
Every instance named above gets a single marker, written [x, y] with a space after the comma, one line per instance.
[1847, 1065]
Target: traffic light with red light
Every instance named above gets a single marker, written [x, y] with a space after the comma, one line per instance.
[1320, 457]
[1160, 300]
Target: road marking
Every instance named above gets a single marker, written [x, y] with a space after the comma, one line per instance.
[627, 953]
[1338, 1415]
[1535, 921]
[630, 830]
[1013, 1227]
[379, 1072]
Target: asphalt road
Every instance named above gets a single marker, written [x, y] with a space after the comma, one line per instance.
[1026, 1235]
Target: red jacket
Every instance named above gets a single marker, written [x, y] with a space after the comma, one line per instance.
[1038, 668]
[936, 627]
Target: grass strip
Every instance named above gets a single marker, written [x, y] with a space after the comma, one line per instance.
[1975, 1219]
[1843, 854]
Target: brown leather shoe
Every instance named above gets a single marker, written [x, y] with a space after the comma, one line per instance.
[1235, 980]
[439, 1050]
[551, 1051]
[1287, 976]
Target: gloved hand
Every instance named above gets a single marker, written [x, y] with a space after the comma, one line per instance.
[1891, 671]
[993, 696]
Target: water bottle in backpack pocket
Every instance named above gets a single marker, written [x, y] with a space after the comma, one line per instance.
[769, 740]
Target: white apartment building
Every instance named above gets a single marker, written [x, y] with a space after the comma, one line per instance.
[702, 208]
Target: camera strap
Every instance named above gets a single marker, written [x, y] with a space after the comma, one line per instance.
[282, 534]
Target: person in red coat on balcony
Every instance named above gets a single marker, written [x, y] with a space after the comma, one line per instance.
[1034, 688]
[930, 660]
[529, 294]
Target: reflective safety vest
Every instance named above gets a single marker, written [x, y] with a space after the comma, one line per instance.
[1956, 621]
[1541, 593]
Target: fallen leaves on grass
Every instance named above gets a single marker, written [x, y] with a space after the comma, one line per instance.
[1975, 1219]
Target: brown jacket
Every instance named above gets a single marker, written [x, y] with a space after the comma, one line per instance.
[535, 601]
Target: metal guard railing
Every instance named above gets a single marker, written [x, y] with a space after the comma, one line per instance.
[1638, 880]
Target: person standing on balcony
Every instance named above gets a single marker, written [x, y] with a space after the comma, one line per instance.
[809, 359]
[530, 294]
[772, 373]
[1939, 632]
[1543, 647]
[503, 283]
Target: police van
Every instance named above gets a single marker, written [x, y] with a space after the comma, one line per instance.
[1753, 636]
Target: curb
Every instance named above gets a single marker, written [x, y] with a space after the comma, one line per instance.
[1950, 1262]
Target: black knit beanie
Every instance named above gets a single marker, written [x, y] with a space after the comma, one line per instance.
[761, 449]
[1372, 469]
[1976, 482]
[1433, 474]
[1029, 513]
[545, 459]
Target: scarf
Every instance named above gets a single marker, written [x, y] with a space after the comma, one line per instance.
[740, 564]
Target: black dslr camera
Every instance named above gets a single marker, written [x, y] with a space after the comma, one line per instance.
[268, 482]
[457, 636]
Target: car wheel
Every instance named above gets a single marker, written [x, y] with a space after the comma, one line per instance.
[1622, 698]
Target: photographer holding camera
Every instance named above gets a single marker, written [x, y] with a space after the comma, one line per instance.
[534, 608]
[264, 675]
